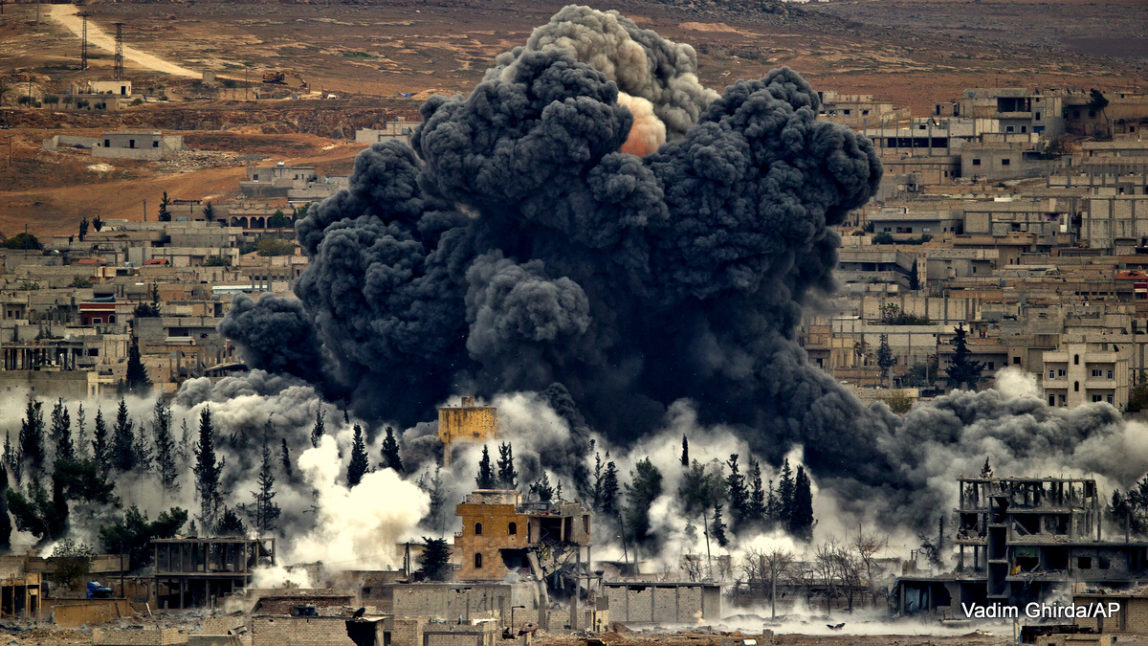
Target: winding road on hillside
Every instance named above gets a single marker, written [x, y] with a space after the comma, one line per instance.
[66, 15]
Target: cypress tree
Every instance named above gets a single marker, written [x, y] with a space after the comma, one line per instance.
[756, 492]
[123, 447]
[266, 511]
[717, 527]
[318, 430]
[5, 522]
[135, 379]
[685, 451]
[165, 449]
[61, 431]
[81, 443]
[801, 519]
[785, 494]
[391, 457]
[610, 489]
[100, 448]
[963, 370]
[738, 496]
[207, 471]
[485, 477]
[285, 457]
[32, 436]
[357, 467]
[507, 474]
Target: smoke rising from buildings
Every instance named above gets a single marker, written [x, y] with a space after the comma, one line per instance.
[593, 229]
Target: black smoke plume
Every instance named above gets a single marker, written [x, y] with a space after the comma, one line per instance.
[513, 247]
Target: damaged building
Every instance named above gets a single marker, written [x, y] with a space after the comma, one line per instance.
[501, 534]
[1018, 539]
[192, 572]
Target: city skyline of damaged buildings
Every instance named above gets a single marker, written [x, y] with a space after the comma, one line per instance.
[1009, 229]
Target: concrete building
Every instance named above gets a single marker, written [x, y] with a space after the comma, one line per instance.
[901, 222]
[151, 145]
[1021, 539]
[192, 572]
[1019, 110]
[1078, 373]
[397, 130]
[661, 602]
[501, 534]
[118, 88]
[466, 422]
[291, 182]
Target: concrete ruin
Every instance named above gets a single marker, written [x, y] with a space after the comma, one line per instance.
[663, 602]
[193, 572]
[1018, 539]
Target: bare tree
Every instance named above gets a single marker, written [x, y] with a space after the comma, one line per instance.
[825, 571]
[866, 546]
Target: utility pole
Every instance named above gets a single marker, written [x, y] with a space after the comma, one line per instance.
[145, 210]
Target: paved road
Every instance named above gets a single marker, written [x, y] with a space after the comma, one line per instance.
[65, 14]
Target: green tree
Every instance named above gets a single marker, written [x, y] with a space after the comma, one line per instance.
[209, 212]
[358, 465]
[37, 512]
[801, 518]
[25, 241]
[123, 446]
[885, 359]
[5, 521]
[285, 458]
[265, 510]
[81, 442]
[97, 223]
[61, 432]
[485, 477]
[69, 563]
[610, 490]
[32, 436]
[84, 224]
[507, 474]
[643, 489]
[542, 490]
[207, 471]
[914, 278]
[136, 380]
[718, 528]
[436, 491]
[1138, 395]
[166, 462]
[101, 453]
[317, 430]
[756, 492]
[434, 562]
[390, 451]
[230, 524]
[164, 213]
[1097, 102]
[963, 370]
[738, 494]
[685, 451]
[784, 494]
[132, 534]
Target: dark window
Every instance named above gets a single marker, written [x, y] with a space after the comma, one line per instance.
[1076, 386]
[1084, 562]
[1008, 129]
[976, 162]
[1052, 400]
[478, 561]
[131, 143]
[1016, 361]
[155, 144]
[1038, 116]
[107, 143]
[1006, 162]
[513, 529]
[478, 529]
[1076, 359]
[1024, 128]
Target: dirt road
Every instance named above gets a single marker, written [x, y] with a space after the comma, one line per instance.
[65, 14]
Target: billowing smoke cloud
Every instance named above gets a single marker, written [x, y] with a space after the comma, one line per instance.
[513, 248]
[518, 247]
[640, 62]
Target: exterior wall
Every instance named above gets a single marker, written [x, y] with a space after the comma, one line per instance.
[1108, 219]
[147, 145]
[682, 603]
[483, 634]
[1069, 376]
[298, 631]
[119, 88]
[466, 423]
[138, 637]
[469, 601]
[89, 612]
